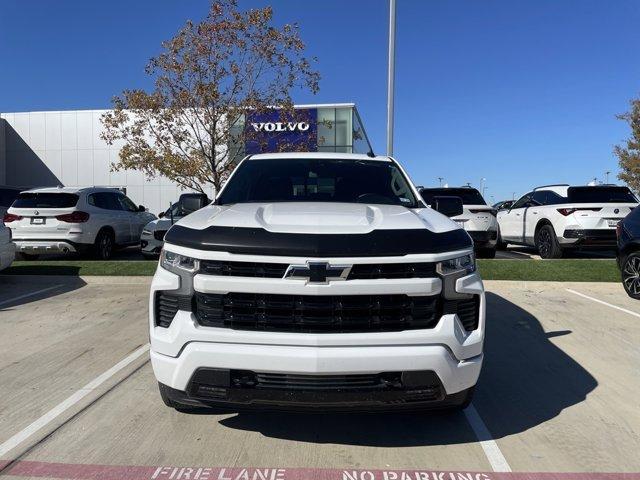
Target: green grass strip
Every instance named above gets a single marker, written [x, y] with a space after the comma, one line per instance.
[83, 267]
[573, 270]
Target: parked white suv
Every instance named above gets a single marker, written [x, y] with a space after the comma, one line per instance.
[66, 220]
[478, 218]
[318, 281]
[7, 247]
[554, 218]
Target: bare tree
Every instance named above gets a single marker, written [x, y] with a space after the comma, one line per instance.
[207, 78]
[629, 153]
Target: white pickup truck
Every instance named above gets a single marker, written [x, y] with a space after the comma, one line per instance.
[318, 281]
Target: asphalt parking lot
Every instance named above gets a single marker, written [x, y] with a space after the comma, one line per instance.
[558, 393]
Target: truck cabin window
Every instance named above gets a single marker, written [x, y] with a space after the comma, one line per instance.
[322, 180]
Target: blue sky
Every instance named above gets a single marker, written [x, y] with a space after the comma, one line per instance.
[520, 92]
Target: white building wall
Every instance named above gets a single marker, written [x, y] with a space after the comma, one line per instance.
[65, 148]
[3, 164]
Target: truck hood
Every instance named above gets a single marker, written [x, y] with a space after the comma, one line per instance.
[318, 218]
[318, 230]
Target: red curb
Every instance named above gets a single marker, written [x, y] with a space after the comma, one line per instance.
[67, 471]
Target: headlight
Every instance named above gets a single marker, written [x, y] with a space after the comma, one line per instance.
[146, 232]
[178, 263]
[466, 262]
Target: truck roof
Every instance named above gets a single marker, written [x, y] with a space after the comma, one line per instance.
[69, 189]
[319, 156]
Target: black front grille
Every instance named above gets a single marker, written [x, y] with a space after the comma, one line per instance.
[167, 305]
[358, 272]
[244, 385]
[392, 270]
[159, 234]
[316, 314]
[243, 269]
[468, 311]
[322, 382]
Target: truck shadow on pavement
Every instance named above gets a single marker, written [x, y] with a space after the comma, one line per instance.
[526, 380]
[16, 290]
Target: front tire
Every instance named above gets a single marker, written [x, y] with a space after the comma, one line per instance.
[501, 244]
[630, 272]
[487, 253]
[547, 243]
[104, 245]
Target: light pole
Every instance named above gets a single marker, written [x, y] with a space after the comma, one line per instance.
[606, 176]
[483, 186]
[391, 74]
[440, 181]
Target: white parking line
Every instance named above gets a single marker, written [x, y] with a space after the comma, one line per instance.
[69, 402]
[27, 295]
[630, 312]
[488, 444]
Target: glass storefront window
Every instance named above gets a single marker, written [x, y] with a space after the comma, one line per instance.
[343, 128]
[326, 128]
[360, 141]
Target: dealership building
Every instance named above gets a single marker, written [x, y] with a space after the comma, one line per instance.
[44, 149]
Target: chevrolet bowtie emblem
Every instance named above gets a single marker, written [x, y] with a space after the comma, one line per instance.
[318, 272]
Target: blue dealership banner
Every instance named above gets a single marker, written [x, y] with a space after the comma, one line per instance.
[280, 131]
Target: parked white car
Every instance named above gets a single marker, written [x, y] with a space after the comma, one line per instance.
[555, 218]
[66, 220]
[478, 218]
[7, 247]
[318, 281]
[152, 237]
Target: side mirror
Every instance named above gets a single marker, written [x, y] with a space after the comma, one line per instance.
[448, 206]
[191, 204]
[141, 208]
[161, 215]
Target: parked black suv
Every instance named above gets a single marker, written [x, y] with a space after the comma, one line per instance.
[628, 235]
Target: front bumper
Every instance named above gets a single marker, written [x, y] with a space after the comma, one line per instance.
[243, 390]
[37, 247]
[453, 354]
[594, 238]
[149, 245]
[455, 375]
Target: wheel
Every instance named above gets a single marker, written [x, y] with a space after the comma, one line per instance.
[631, 275]
[547, 242]
[103, 246]
[28, 256]
[486, 253]
[501, 244]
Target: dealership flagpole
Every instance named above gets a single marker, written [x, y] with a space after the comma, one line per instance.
[391, 74]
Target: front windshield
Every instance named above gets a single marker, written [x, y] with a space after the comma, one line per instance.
[318, 180]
